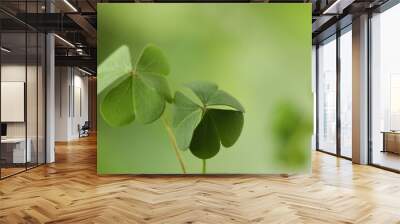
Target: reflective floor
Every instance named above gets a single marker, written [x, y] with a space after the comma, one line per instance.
[387, 159]
[70, 191]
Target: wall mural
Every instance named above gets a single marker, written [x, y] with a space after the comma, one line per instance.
[200, 88]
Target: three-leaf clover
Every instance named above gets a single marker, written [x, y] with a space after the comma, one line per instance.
[203, 128]
[133, 92]
[141, 92]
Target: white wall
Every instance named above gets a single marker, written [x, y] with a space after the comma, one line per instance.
[17, 73]
[80, 103]
[12, 101]
[62, 81]
[33, 126]
[70, 83]
[14, 72]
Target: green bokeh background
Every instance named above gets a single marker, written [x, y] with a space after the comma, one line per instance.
[259, 53]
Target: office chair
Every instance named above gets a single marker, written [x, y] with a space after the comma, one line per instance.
[84, 130]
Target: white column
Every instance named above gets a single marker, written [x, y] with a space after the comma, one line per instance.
[50, 92]
[50, 99]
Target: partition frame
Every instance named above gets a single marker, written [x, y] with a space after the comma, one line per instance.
[382, 8]
[44, 95]
[337, 35]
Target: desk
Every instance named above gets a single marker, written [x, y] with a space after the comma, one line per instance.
[16, 147]
[391, 141]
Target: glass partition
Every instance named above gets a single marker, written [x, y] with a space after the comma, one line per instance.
[22, 77]
[327, 95]
[14, 153]
[385, 89]
[31, 100]
[346, 93]
[41, 107]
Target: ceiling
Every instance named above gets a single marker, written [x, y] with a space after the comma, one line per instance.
[76, 22]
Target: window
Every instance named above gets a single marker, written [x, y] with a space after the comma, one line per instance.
[22, 77]
[385, 89]
[327, 95]
[346, 93]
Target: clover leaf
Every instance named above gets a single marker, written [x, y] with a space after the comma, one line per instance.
[210, 95]
[114, 69]
[141, 92]
[136, 92]
[202, 128]
[216, 127]
[187, 115]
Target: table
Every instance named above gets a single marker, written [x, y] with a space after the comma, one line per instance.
[391, 141]
[16, 147]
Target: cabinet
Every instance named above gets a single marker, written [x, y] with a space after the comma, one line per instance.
[391, 142]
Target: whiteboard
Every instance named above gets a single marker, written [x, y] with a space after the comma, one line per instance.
[12, 101]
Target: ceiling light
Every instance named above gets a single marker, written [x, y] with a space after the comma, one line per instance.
[338, 6]
[5, 50]
[84, 71]
[65, 41]
[331, 7]
[70, 5]
[79, 51]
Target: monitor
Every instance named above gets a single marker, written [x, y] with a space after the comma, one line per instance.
[3, 129]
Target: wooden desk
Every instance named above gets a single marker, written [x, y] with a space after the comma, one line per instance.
[13, 150]
[391, 141]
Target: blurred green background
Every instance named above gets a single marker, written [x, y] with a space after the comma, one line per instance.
[259, 53]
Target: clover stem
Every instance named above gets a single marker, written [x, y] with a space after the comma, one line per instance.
[204, 166]
[172, 139]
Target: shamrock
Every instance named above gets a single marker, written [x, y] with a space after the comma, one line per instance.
[141, 92]
[133, 92]
[203, 128]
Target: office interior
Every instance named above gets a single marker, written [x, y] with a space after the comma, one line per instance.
[22, 99]
[39, 110]
[334, 74]
[48, 96]
[61, 57]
